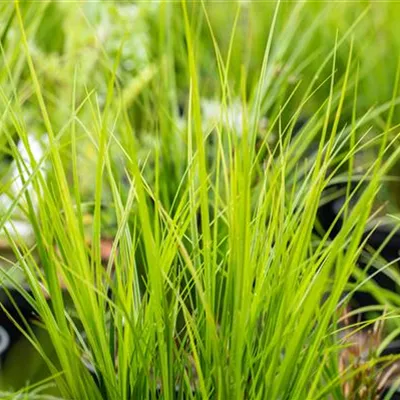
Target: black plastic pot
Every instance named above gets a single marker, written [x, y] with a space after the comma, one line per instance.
[329, 221]
[15, 309]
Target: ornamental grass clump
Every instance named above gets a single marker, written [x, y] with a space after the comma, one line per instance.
[175, 249]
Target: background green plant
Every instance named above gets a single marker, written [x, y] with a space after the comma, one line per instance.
[169, 128]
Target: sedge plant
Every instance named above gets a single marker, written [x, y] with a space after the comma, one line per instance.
[216, 284]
